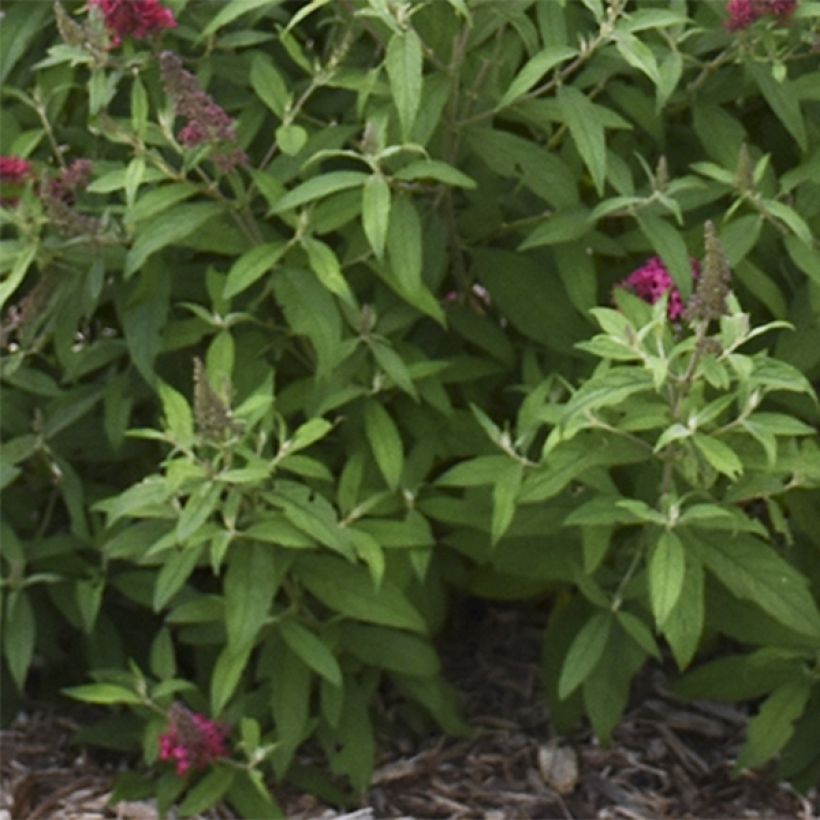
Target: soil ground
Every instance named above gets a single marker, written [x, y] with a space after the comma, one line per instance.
[668, 759]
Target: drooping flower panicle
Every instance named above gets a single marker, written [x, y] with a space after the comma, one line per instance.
[207, 121]
[134, 18]
[192, 741]
[743, 13]
[652, 280]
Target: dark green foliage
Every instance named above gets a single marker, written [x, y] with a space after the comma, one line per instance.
[270, 394]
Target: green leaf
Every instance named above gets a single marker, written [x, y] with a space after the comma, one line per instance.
[770, 729]
[667, 242]
[560, 227]
[198, 508]
[312, 650]
[159, 199]
[404, 244]
[143, 497]
[175, 571]
[385, 442]
[290, 702]
[318, 188]
[434, 169]
[584, 653]
[667, 569]
[534, 69]
[638, 55]
[722, 457]
[208, 792]
[228, 669]
[782, 99]
[252, 265]
[376, 212]
[291, 138]
[752, 570]
[587, 132]
[17, 273]
[19, 633]
[390, 649]
[103, 693]
[230, 11]
[505, 493]
[168, 229]
[251, 582]
[403, 61]
[349, 590]
[325, 265]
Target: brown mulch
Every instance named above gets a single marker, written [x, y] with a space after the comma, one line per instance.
[668, 759]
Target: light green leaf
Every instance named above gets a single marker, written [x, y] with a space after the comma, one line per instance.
[103, 693]
[385, 442]
[667, 569]
[534, 69]
[228, 669]
[376, 212]
[178, 417]
[587, 132]
[325, 265]
[505, 492]
[251, 582]
[176, 570]
[197, 509]
[403, 62]
[268, 84]
[391, 649]
[434, 169]
[207, 792]
[252, 265]
[562, 226]
[318, 188]
[231, 10]
[683, 626]
[291, 139]
[722, 457]
[584, 653]
[312, 650]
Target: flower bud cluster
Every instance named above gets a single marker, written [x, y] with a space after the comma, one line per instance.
[14, 172]
[651, 281]
[191, 740]
[742, 13]
[207, 121]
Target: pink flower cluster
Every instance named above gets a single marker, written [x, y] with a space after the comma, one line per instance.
[652, 280]
[742, 13]
[134, 18]
[192, 740]
[14, 171]
[207, 121]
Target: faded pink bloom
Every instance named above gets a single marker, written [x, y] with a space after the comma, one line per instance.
[207, 121]
[191, 740]
[71, 180]
[134, 18]
[652, 281]
[14, 171]
[742, 13]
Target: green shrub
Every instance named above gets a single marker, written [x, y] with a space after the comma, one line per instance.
[300, 314]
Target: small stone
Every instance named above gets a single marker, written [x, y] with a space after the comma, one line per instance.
[559, 767]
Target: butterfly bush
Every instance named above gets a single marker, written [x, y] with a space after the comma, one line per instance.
[191, 740]
[134, 18]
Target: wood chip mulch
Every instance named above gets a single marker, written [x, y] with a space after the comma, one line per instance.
[668, 758]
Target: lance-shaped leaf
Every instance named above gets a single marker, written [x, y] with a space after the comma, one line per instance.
[403, 62]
